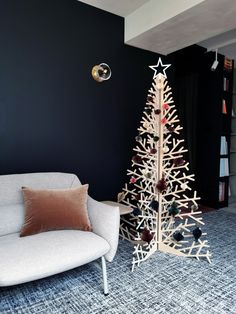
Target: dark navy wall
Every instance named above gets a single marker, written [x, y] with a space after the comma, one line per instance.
[53, 115]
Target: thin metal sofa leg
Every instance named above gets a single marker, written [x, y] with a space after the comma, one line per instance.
[104, 274]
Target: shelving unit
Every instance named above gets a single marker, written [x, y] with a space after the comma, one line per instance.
[232, 178]
[228, 135]
[212, 120]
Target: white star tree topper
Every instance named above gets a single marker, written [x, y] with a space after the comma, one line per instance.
[159, 68]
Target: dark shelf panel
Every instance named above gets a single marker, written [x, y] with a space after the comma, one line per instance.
[223, 179]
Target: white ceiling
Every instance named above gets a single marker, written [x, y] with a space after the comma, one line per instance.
[118, 7]
[225, 43]
[164, 26]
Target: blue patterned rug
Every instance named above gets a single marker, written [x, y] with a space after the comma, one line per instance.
[164, 284]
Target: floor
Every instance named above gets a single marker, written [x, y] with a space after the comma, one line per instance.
[163, 284]
[230, 209]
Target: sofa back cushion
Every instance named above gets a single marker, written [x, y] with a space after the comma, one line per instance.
[11, 218]
[11, 198]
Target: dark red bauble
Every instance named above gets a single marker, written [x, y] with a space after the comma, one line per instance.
[171, 129]
[146, 235]
[150, 98]
[178, 162]
[161, 185]
[153, 151]
[137, 159]
[157, 111]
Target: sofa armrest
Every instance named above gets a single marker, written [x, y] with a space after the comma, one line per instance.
[105, 220]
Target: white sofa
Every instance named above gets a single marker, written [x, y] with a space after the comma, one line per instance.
[24, 259]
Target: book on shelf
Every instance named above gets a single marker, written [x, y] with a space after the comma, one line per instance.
[221, 191]
[233, 113]
[224, 108]
[228, 64]
[226, 84]
[223, 146]
[224, 167]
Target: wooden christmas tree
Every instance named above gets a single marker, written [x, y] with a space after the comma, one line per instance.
[165, 213]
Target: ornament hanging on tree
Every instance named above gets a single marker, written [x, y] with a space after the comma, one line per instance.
[148, 175]
[154, 205]
[146, 235]
[161, 185]
[173, 209]
[138, 138]
[149, 98]
[157, 111]
[136, 211]
[153, 151]
[184, 186]
[171, 129]
[160, 178]
[178, 236]
[197, 232]
[132, 180]
[165, 106]
[178, 162]
[156, 138]
[137, 159]
[164, 121]
[194, 207]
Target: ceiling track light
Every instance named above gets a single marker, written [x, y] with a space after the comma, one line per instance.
[216, 62]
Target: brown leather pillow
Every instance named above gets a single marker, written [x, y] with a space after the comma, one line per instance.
[47, 210]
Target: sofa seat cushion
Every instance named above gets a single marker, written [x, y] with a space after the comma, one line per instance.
[41, 255]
